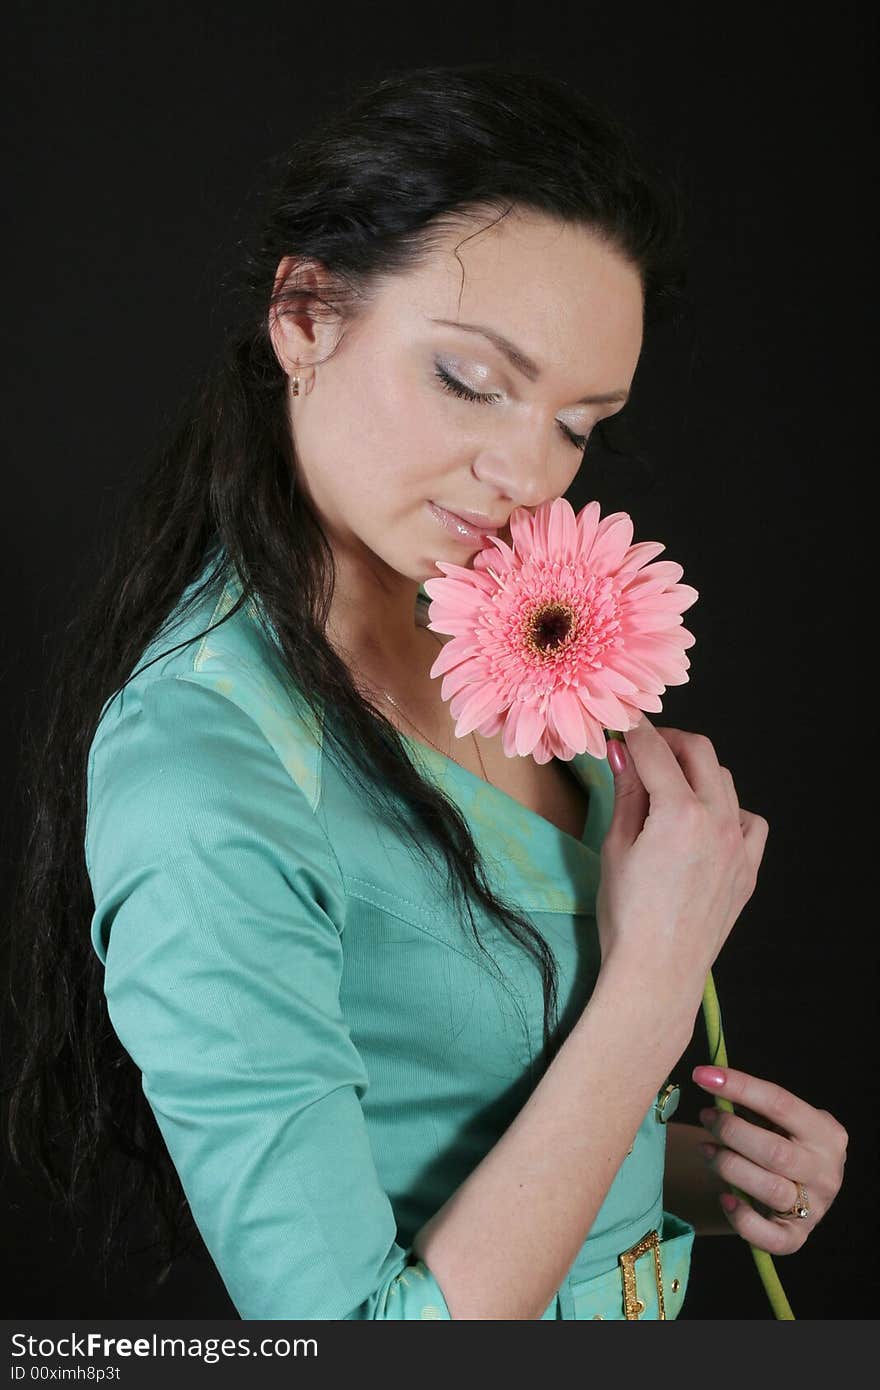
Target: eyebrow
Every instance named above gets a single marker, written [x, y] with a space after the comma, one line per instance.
[522, 362]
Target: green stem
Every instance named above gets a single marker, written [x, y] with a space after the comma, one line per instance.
[718, 1057]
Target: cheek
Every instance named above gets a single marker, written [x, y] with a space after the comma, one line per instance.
[386, 442]
[409, 442]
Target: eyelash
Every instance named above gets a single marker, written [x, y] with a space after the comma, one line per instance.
[450, 383]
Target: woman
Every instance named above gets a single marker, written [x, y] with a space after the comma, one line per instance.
[372, 1007]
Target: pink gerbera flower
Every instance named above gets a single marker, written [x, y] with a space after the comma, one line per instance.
[568, 632]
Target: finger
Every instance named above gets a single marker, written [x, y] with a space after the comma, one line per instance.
[730, 790]
[776, 1237]
[656, 764]
[631, 807]
[755, 830]
[795, 1116]
[755, 1119]
[775, 1191]
[774, 1152]
[696, 756]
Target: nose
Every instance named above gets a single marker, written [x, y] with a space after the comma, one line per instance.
[510, 481]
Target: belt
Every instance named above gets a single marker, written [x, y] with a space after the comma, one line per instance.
[649, 1281]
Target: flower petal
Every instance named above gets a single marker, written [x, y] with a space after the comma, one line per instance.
[469, 592]
[543, 751]
[469, 707]
[588, 521]
[492, 724]
[672, 601]
[541, 533]
[616, 681]
[611, 543]
[664, 642]
[648, 702]
[563, 539]
[602, 704]
[496, 554]
[452, 653]
[637, 556]
[521, 531]
[450, 570]
[595, 736]
[454, 625]
[659, 575]
[530, 725]
[640, 672]
[658, 624]
[566, 713]
[468, 673]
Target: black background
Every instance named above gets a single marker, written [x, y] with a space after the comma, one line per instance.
[137, 132]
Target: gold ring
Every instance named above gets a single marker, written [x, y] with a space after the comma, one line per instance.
[801, 1206]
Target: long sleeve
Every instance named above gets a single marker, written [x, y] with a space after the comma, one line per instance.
[219, 918]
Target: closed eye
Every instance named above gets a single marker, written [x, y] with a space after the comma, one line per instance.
[450, 383]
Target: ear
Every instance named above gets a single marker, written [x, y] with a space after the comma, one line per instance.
[300, 341]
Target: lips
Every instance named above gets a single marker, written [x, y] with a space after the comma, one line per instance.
[460, 526]
[481, 525]
[479, 521]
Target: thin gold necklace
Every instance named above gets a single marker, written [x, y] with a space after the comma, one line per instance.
[431, 741]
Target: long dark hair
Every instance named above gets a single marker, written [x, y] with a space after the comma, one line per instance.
[364, 194]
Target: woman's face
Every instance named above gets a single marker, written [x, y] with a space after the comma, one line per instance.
[381, 433]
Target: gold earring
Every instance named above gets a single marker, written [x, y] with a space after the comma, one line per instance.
[295, 391]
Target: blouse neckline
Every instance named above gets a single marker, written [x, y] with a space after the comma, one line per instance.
[541, 867]
[453, 768]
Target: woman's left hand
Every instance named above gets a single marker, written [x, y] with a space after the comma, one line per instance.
[784, 1142]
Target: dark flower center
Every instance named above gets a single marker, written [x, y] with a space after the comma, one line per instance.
[550, 627]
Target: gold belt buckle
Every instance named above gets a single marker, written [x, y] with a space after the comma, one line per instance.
[633, 1305]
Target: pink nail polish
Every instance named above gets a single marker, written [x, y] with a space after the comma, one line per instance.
[709, 1076]
[728, 1201]
[616, 756]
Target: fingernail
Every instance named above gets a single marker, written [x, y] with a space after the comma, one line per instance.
[616, 756]
[709, 1076]
[728, 1201]
[709, 1115]
[710, 1150]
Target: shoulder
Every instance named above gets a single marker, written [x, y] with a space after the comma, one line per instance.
[202, 794]
[215, 666]
[206, 755]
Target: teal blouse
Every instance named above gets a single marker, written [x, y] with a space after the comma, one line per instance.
[326, 1050]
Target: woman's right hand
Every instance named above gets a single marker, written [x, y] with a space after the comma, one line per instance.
[680, 859]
